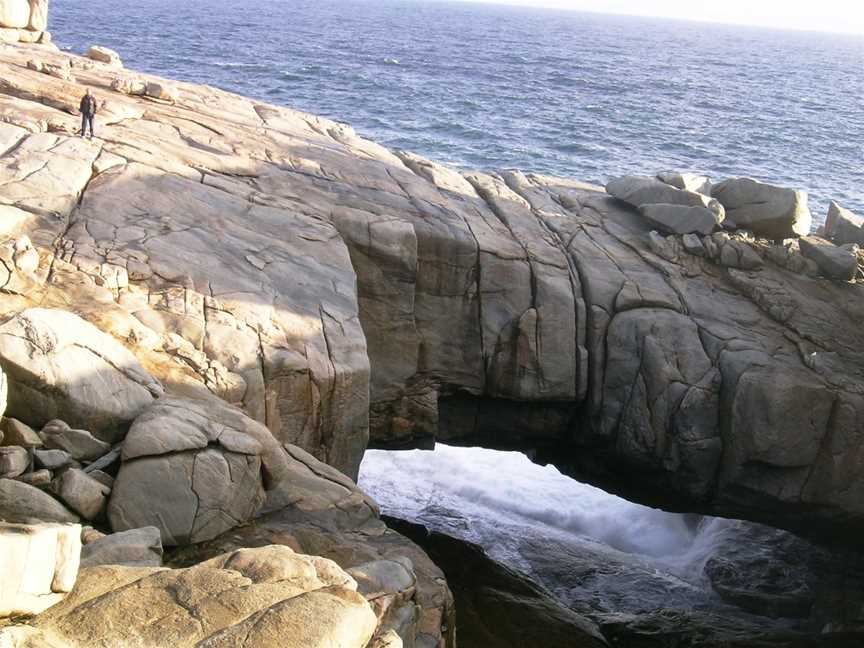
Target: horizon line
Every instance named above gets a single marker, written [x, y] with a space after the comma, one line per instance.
[623, 14]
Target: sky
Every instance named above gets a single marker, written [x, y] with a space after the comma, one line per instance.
[822, 15]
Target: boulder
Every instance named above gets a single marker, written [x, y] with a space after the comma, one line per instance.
[163, 91]
[43, 353]
[687, 181]
[79, 444]
[693, 245]
[14, 13]
[135, 548]
[104, 55]
[842, 226]
[679, 219]
[190, 468]
[642, 190]
[264, 597]
[14, 461]
[22, 503]
[39, 16]
[834, 262]
[38, 566]
[766, 210]
[84, 495]
[16, 433]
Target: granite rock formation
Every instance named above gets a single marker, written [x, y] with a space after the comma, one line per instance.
[331, 287]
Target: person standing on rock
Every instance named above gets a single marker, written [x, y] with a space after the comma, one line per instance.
[88, 111]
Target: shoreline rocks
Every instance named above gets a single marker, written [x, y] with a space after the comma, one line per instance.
[38, 565]
[766, 210]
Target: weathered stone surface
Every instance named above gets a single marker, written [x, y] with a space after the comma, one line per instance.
[162, 91]
[486, 301]
[773, 212]
[58, 364]
[38, 566]
[83, 494]
[679, 219]
[192, 469]
[14, 461]
[328, 516]
[264, 597]
[79, 444]
[16, 433]
[22, 503]
[842, 226]
[834, 262]
[134, 548]
[54, 459]
[104, 55]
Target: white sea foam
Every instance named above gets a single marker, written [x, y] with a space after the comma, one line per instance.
[485, 495]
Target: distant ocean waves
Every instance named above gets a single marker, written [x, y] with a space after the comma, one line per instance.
[486, 87]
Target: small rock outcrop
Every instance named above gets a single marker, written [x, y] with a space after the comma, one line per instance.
[270, 596]
[105, 55]
[834, 262]
[38, 567]
[843, 227]
[766, 210]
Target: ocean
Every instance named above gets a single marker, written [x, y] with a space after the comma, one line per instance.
[480, 86]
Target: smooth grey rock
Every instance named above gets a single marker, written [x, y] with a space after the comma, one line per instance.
[693, 245]
[687, 181]
[833, 261]
[134, 548]
[642, 190]
[43, 352]
[842, 226]
[679, 219]
[102, 477]
[22, 503]
[83, 494]
[14, 461]
[54, 459]
[80, 444]
[194, 470]
[382, 578]
[735, 253]
[767, 210]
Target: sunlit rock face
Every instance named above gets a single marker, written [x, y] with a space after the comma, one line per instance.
[339, 291]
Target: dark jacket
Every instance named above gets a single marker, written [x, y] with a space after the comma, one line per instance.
[88, 105]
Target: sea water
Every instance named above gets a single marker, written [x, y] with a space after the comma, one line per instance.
[488, 87]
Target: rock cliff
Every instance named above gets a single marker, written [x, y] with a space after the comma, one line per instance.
[333, 288]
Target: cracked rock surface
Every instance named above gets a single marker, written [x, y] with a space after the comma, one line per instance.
[337, 290]
[263, 597]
